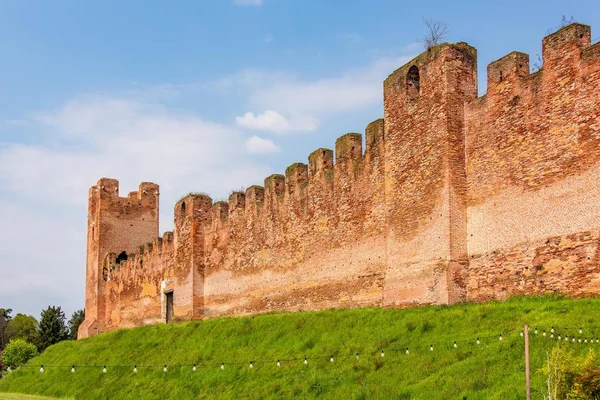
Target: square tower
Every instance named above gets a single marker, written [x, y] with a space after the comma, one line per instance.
[116, 225]
[425, 178]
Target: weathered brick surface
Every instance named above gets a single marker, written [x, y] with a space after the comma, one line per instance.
[425, 191]
[533, 153]
[115, 224]
[451, 198]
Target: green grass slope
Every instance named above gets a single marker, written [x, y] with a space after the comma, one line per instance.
[493, 369]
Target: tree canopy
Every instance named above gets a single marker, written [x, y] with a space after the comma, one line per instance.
[23, 327]
[4, 320]
[52, 327]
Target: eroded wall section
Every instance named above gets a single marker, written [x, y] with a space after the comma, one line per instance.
[533, 163]
[312, 238]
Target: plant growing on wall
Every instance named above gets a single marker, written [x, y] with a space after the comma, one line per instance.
[436, 32]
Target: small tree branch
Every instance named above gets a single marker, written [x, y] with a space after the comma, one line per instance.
[436, 32]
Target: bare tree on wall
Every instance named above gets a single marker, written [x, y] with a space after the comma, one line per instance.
[436, 32]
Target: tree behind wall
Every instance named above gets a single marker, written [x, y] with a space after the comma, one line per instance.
[76, 320]
[4, 320]
[23, 327]
[52, 328]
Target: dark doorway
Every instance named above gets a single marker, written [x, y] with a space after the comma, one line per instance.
[169, 306]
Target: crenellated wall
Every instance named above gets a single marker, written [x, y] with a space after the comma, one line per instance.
[448, 198]
[533, 170]
[311, 238]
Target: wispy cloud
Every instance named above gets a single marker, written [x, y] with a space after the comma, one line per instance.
[44, 185]
[272, 121]
[295, 104]
[16, 122]
[255, 3]
[258, 145]
[130, 140]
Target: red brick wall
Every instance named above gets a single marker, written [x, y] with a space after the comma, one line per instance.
[452, 198]
[533, 163]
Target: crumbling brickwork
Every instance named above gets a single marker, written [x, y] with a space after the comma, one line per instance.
[449, 198]
[533, 152]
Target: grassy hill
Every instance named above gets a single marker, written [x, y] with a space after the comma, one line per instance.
[494, 369]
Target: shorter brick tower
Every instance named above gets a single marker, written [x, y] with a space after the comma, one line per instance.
[115, 225]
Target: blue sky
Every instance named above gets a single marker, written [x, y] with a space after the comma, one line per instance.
[209, 95]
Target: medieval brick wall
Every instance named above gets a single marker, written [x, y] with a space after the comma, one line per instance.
[533, 170]
[453, 198]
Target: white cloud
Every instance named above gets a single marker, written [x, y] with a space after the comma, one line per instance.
[258, 145]
[248, 2]
[16, 122]
[92, 137]
[42, 254]
[305, 102]
[45, 184]
[133, 138]
[272, 121]
[352, 90]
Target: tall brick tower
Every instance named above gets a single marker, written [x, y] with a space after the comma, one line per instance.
[115, 225]
[425, 175]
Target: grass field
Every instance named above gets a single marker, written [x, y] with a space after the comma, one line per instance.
[494, 369]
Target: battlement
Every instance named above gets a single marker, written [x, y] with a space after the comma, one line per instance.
[567, 52]
[320, 162]
[566, 43]
[508, 68]
[108, 188]
[237, 202]
[220, 211]
[275, 184]
[193, 205]
[255, 197]
[348, 151]
[422, 76]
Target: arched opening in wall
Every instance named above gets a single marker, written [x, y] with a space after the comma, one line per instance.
[413, 83]
[121, 257]
[93, 232]
[183, 207]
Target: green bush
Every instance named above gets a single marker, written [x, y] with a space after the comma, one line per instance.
[587, 385]
[570, 376]
[17, 352]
